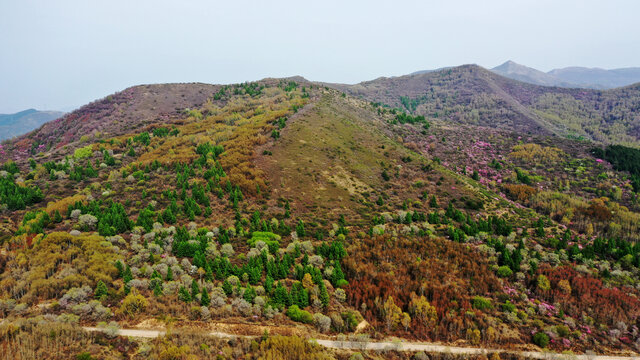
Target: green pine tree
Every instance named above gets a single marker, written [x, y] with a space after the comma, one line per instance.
[227, 288]
[183, 294]
[101, 290]
[195, 289]
[57, 218]
[204, 299]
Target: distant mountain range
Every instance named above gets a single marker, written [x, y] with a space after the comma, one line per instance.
[24, 121]
[571, 77]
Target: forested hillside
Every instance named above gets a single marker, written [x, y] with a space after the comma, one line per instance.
[450, 207]
[472, 95]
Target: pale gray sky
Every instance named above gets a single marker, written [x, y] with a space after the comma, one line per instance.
[63, 54]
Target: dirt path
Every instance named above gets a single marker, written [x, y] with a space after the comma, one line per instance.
[396, 346]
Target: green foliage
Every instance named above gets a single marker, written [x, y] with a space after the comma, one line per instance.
[142, 138]
[205, 149]
[205, 300]
[333, 251]
[403, 118]
[300, 229]
[249, 294]
[272, 240]
[295, 314]
[543, 283]
[84, 356]
[508, 307]
[112, 216]
[623, 159]
[227, 288]
[11, 167]
[18, 197]
[146, 219]
[101, 290]
[504, 271]
[57, 217]
[541, 339]
[184, 295]
[84, 152]
[481, 303]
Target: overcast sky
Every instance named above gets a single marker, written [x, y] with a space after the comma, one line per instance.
[63, 54]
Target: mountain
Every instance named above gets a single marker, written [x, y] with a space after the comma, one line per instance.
[597, 78]
[529, 75]
[472, 95]
[24, 121]
[439, 207]
[570, 77]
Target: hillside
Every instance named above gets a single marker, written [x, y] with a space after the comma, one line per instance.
[298, 210]
[475, 96]
[24, 121]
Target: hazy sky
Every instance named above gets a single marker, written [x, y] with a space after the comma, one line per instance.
[62, 54]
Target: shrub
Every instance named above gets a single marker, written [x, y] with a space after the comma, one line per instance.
[504, 271]
[82, 153]
[295, 314]
[133, 304]
[481, 303]
[322, 322]
[84, 356]
[541, 339]
[508, 307]
[272, 240]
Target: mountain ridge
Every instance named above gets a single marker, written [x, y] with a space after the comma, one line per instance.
[571, 77]
[16, 124]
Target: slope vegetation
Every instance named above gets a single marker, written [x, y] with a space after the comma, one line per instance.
[287, 204]
[472, 95]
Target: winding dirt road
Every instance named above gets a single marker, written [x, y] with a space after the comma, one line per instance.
[396, 346]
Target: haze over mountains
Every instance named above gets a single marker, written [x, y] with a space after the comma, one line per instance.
[573, 77]
[24, 121]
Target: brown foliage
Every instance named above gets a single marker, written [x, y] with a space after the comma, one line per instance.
[597, 209]
[520, 192]
[587, 294]
[446, 273]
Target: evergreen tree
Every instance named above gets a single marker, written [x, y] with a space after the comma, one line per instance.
[249, 294]
[183, 294]
[157, 289]
[433, 202]
[127, 275]
[300, 229]
[227, 288]
[101, 290]
[204, 299]
[168, 216]
[268, 284]
[195, 289]
[57, 218]
[120, 268]
[324, 295]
